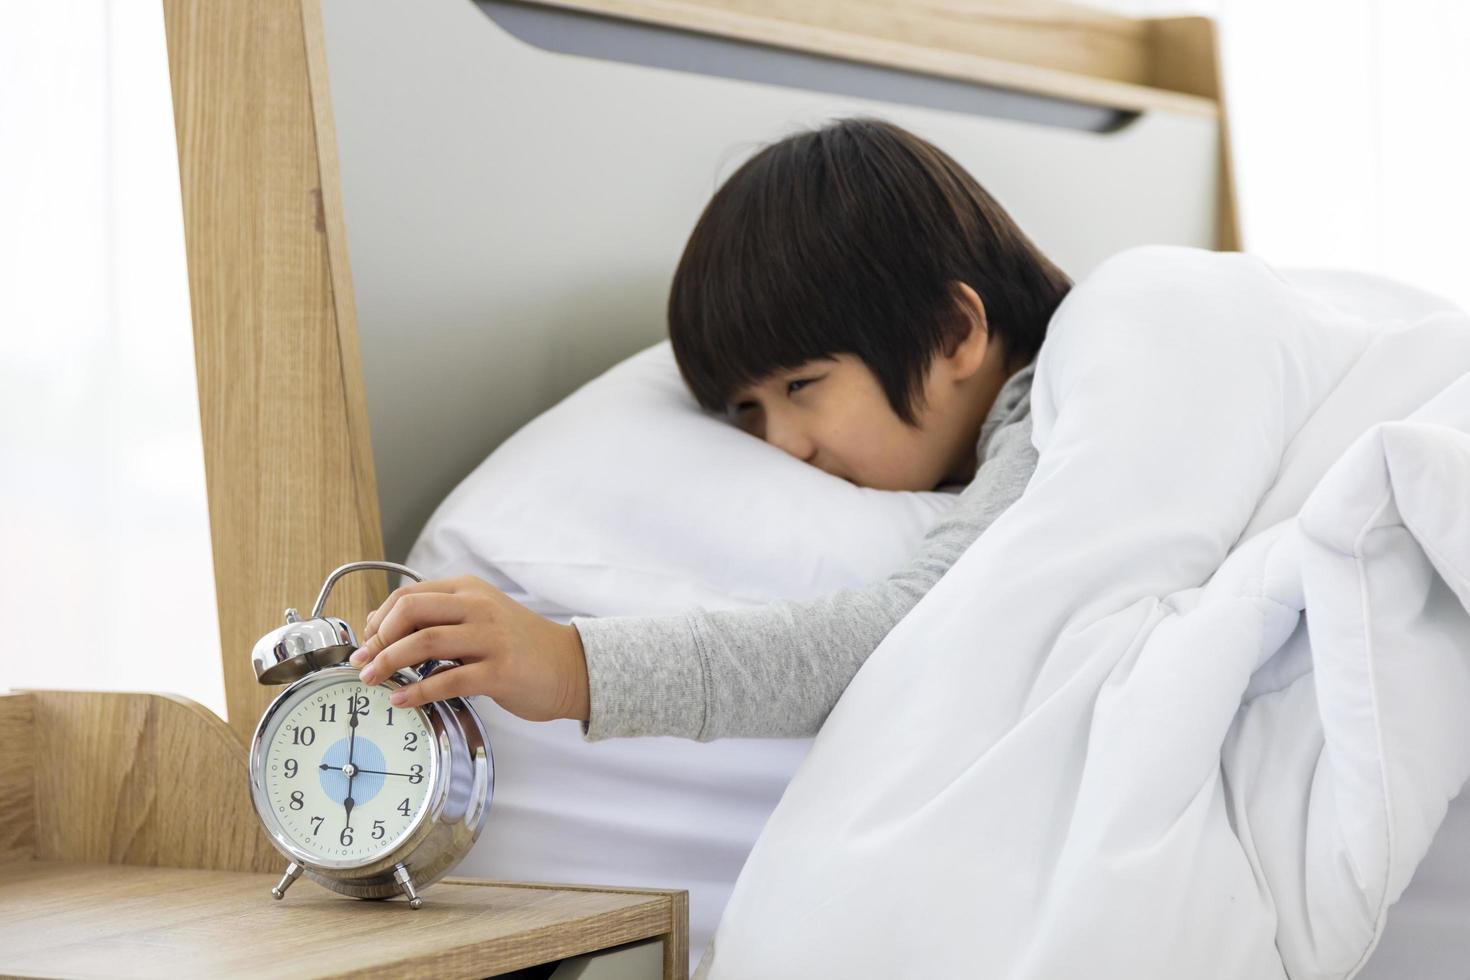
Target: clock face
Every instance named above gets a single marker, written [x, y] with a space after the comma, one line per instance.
[346, 773]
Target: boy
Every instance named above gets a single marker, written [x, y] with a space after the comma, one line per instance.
[854, 297]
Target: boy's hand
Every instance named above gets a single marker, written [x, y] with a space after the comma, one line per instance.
[531, 666]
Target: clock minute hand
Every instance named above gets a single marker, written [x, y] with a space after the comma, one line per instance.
[351, 769]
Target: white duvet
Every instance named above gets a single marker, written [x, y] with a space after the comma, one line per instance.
[1194, 706]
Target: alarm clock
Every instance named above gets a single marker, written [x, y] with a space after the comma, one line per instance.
[366, 798]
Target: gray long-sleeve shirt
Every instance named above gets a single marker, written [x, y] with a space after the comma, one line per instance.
[777, 670]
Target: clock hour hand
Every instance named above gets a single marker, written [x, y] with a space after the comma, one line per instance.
[352, 728]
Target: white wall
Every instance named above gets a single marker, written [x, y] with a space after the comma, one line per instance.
[106, 577]
[1350, 122]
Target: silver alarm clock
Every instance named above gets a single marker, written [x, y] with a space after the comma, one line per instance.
[366, 798]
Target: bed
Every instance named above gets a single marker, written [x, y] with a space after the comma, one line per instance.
[462, 154]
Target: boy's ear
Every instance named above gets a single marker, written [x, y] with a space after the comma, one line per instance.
[970, 353]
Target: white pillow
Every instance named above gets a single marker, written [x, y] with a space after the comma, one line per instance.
[628, 499]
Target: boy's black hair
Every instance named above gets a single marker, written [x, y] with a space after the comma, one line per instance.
[848, 239]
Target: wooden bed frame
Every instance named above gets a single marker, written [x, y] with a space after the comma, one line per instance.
[288, 451]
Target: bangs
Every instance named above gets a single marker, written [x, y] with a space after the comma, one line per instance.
[848, 239]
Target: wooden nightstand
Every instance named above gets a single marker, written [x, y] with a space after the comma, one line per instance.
[128, 848]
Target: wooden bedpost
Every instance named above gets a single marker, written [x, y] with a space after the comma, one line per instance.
[288, 458]
[1185, 57]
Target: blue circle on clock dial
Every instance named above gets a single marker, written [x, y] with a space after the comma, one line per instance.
[365, 785]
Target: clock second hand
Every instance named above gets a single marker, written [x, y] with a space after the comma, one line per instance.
[376, 772]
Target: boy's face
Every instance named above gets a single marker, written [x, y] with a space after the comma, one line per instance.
[834, 414]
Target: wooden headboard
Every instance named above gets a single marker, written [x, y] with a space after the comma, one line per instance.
[338, 408]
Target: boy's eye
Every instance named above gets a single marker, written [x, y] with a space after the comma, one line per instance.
[792, 387]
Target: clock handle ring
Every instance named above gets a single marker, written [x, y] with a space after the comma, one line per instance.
[353, 566]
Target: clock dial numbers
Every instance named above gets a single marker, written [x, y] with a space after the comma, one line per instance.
[346, 773]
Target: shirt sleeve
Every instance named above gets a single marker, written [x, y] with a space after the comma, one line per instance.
[777, 670]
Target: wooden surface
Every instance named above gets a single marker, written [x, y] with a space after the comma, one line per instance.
[344, 300]
[94, 920]
[287, 457]
[123, 778]
[1051, 34]
[17, 779]
[1041, 46]
[131, 849]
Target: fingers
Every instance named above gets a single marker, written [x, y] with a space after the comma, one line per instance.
[452, 682]
[434, 643]
[411, 612]
[447, 586]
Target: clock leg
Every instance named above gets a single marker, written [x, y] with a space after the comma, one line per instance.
[400, 875]
[293, 871]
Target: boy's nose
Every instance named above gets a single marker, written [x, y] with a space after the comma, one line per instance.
[790, 439]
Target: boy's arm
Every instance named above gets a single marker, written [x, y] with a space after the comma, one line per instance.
[777, 670]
